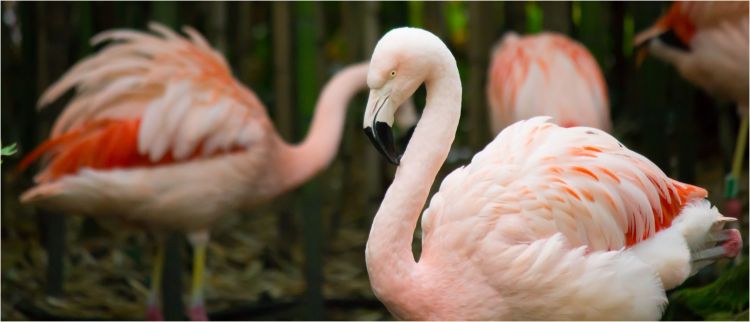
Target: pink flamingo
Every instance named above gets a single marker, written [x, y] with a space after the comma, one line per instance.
[546, 74]
[545, 223]
[160, 134]
[707, 42]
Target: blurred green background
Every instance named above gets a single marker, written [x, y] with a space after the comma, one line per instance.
[301, 257]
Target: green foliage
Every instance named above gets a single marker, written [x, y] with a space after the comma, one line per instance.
[534, 17]
[416, 13]
[575, 13]
[306, 70]
[457, 21]
[165, 12]
[724, 299]
[628, 32]
[8, 150]
[592, 30]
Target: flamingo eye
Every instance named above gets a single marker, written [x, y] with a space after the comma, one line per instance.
[393, 73]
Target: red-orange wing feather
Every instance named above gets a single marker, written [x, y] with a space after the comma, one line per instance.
[100, 145]
[148, 99]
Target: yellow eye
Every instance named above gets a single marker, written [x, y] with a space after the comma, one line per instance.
[393, 73]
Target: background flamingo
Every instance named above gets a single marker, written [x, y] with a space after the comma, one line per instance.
[545, 223]
[708, 44]
[546, 74]
[160, 134]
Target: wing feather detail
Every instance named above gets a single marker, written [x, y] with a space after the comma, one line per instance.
[532, 182]
[178, 91]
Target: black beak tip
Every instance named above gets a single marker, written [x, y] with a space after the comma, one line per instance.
[382, 138]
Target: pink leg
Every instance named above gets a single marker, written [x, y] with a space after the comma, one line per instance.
[197, 307]
[153, 312]
[730, 247]
[153, 309]
[198, 313]
[733, 245]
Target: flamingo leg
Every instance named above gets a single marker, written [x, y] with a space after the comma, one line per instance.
[197, 304]
[153, 310]
[733, 207]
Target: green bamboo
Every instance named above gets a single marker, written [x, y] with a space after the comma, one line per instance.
[85, 26]
[478, 50]
[309, 204]
[165, 12]
[455, 18]
[593, 30]
[557, 16]
[515, 16]
[534, 17]
[354, 146]
[306, 73]
[48, 61]
[685, 136]
[416, 13]
[283, 108]
[652, 105]
[618, 74]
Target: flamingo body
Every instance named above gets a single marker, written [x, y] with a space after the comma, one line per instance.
[545, 223]
[546, 74]
[154, 116]
[160, 134]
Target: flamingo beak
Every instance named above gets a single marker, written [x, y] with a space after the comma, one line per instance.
[382, 138]
[640, 56]
[641, 41]
[378, 119]
[647, 39]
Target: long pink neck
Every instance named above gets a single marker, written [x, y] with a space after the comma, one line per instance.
[301, 162]
[390, 261]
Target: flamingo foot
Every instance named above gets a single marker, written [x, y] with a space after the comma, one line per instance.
[733, 208]
[730, 246]
[153, 313]
[198, 313]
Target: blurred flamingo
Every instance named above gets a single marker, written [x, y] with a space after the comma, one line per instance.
[707, 41]
[546, 74]
[161, 135]
[545, 223]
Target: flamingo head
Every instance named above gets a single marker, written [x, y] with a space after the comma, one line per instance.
[675, 30]
[401, 62]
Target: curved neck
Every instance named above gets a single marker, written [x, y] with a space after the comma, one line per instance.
[389, 257]
[301, 162]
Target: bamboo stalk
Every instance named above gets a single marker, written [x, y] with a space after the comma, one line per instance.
[308, 206]
[515, 16]
[479, 51]
[282, 70]
[557, 16]
[651, 84]
[51, 63]
[172, 304]
[373, 165]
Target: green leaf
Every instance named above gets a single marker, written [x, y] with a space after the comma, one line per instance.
[575, 13]
[457, 22]
[9, 150]
[628, 30]
[534, 17]
[726, 298]
[416, 16]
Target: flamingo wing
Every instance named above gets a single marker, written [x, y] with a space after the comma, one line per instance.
[537, 179]
[146, 99]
